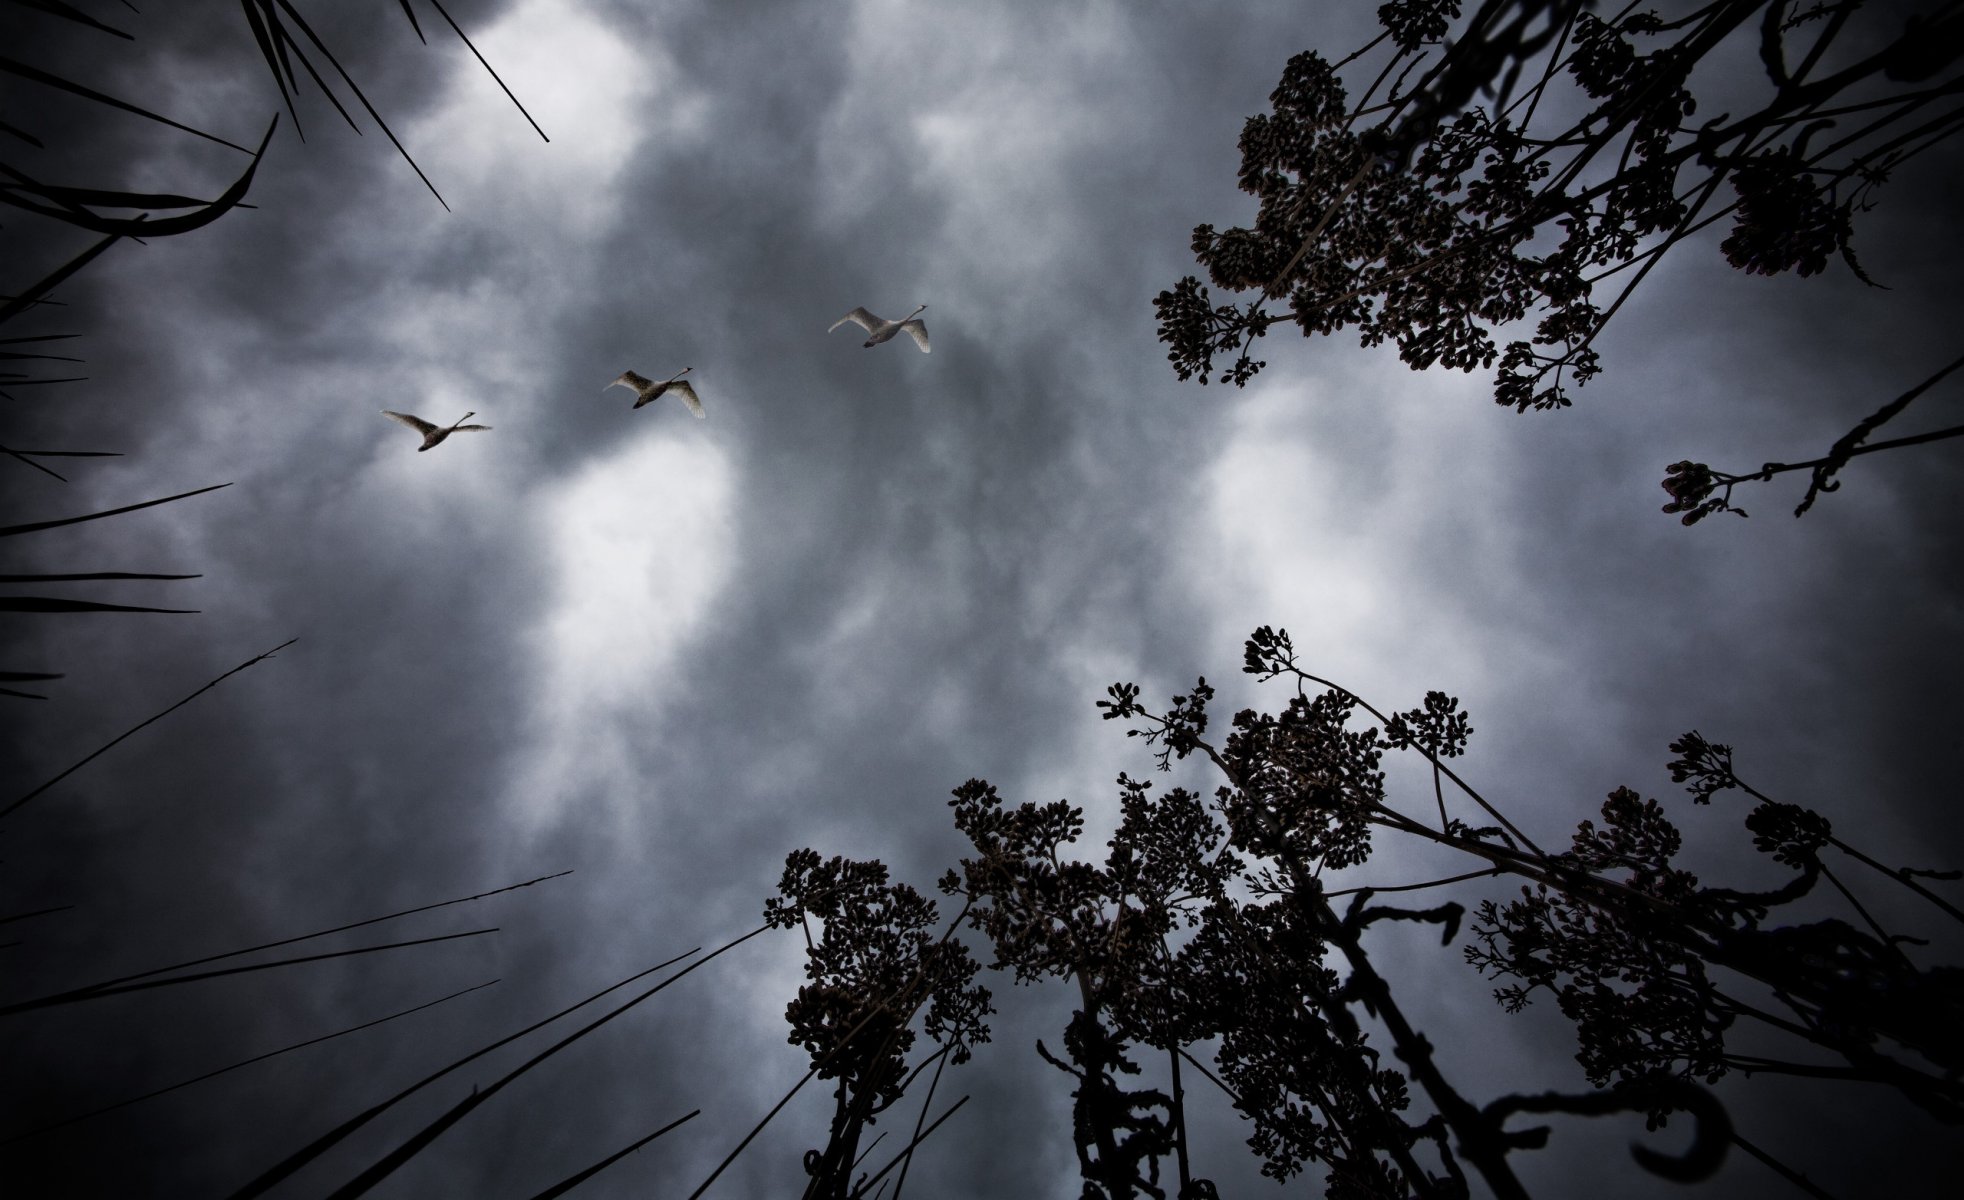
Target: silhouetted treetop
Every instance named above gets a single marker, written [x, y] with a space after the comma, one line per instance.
[1500, 175]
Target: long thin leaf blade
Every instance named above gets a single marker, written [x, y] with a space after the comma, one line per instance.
[15, 305]
[573, 1181]
[411, 14]
[261, 35]
[18, 457]
[97, 991]
[132, 226]
[62, 604]
[361, 96]
[383, 1167]
[110, 197]
[272, 1176]
[37, 526]
[16, 131]
[90, 575]
[111, 744]
[488, 67]
[244, 1062]
[70, 12]
[906, 1152]
[319, 933]
[36, 75]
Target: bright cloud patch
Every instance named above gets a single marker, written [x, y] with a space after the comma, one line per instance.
[1383, 580]
[991, 122]
[639, 546]
[594, 95]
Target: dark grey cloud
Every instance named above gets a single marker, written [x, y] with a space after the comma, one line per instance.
[665, 653]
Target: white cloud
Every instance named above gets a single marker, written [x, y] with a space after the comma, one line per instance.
[1384, 581]
[986, 116]
[597, 96]
[639, 547]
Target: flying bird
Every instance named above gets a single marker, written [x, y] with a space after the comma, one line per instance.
[879, 331]
[649, 389]
[433, 434]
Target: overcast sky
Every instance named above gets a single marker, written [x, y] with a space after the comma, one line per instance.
[662, 653]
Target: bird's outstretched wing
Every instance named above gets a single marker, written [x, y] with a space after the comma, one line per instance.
[861, 318]
[681, 388]
[472, 429]
[629, 379]
[417, 423]
[918, 332]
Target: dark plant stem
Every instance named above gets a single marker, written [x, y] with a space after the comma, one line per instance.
[1783, 1170]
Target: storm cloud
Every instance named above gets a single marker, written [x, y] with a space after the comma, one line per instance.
[662, 653]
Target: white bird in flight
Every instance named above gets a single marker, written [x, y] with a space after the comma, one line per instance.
[433, 434]
[649, 389]
[879, 331]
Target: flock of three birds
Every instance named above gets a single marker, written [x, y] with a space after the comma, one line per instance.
[877, 331]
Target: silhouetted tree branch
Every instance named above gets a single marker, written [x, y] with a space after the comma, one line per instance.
[1209, 923]
[1432, 211]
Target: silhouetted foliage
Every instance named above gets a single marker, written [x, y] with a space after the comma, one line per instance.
[1692, 484]
[55, 212]
[1433, 210]
[1211, 925]
[1435, 213]
[59, 124]
[874, 964]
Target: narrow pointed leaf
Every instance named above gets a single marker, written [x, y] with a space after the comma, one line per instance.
[271, 1178]
[573, 1181]
[69, 11]
[132, 226]
[299, 21]
[274, 58]
[97, 991]
[17, 456]
[60, 604]
[90, 575]
[288, 941]
[107, 746]
[18, 304]
[37, 526]
[244, 1062]
[383, 1167]
[411, 14]
[22, 134]
[108, 196]
[488, 67]
[36, 75]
